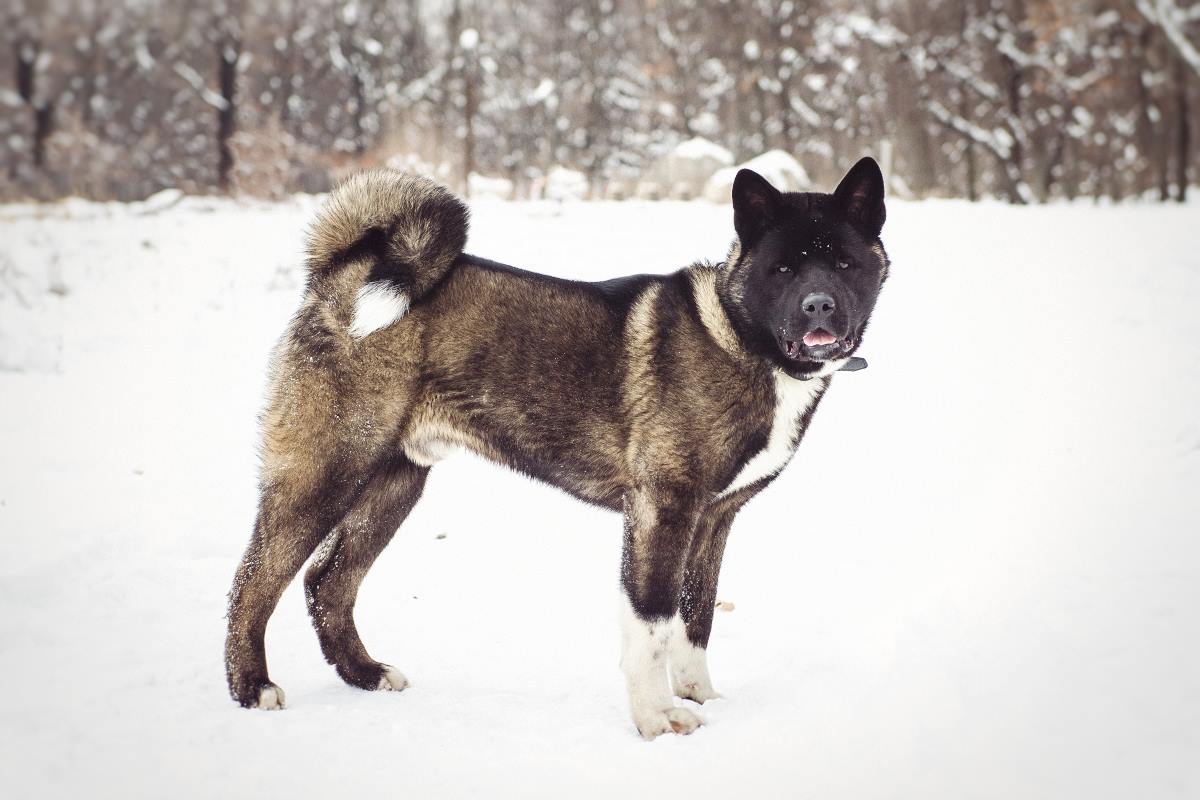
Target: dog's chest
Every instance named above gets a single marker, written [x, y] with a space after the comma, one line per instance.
[792, 399]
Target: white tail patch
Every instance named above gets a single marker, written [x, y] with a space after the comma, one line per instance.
[792, 398]
[377, 305]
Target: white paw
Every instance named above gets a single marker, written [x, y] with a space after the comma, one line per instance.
[689, 667]
[672, 720]
[699, 691]
[393, 680]
[270, 698]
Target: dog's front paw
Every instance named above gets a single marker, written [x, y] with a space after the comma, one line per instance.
[689, 675]
[672, 720]
[698, 691]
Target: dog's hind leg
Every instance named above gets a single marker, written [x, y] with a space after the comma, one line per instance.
[332, 581]
[297, 509]
[659, 525]
[689, 639]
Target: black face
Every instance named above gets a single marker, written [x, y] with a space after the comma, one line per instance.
[810, 267]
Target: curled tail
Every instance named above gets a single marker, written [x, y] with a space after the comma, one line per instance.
[382, 241]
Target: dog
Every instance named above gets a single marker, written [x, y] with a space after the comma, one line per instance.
[671, 399]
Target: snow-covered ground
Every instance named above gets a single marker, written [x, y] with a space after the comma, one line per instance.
[980, 577]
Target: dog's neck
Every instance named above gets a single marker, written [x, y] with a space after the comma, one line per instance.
[712, 312]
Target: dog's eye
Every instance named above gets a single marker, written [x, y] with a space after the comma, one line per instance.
[843, 264]
[783, 268]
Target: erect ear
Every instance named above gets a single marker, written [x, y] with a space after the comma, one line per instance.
[860, 197]
[756, 205]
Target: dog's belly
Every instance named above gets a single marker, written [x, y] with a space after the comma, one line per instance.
[432, 437]
[793, 398]
[426, 450]
[595, 480]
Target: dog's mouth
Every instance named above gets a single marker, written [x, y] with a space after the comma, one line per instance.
[818, 338]
[816, 345]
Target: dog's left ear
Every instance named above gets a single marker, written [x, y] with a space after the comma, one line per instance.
[860, 197]
[756, 206]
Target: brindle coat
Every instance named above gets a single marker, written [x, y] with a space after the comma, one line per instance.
[656, 396]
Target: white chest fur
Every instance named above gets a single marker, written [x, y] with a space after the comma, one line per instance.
[792, 399]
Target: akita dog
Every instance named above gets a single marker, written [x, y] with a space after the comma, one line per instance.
[671, 399]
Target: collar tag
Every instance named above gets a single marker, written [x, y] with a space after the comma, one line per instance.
[854, 365]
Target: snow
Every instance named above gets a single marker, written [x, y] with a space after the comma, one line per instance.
[780, 168]
[698, 148]
[542, 91]
[490, 186]
[980, 576]
[561, 183]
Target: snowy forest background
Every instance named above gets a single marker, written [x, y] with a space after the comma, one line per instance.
[1024, 100]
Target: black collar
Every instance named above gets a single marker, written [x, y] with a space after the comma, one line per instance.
[853, 364]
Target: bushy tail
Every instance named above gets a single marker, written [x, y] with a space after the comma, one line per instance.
[406, 228]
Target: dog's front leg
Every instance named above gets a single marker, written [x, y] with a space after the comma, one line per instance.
[689, 639]
[659, 524]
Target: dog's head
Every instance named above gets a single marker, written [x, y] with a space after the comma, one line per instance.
[803, 277]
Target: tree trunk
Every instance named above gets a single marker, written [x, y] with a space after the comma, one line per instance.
[1070, 177]
[227, 58]
[448, 110]
[43, 125]
[1053, 159]
[360, 103]
[27, 53]
[1183, 141]
[469, 103]
[972, 165]
[964, 110]
[1014, 170]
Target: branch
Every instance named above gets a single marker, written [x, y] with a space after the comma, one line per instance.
[998, 141]
[195, 80]
[1168, 17]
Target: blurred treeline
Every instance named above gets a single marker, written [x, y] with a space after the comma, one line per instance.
[1025, 100]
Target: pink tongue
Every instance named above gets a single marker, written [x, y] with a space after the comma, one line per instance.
[819, 337]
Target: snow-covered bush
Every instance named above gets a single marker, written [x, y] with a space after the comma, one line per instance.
[684, 171]
[782, 170]
[561, 183]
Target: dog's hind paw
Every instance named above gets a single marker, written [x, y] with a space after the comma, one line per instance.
[392, 680]
[672, 720]
[270, 698]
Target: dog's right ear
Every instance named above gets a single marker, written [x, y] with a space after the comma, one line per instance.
[860, 197]
[756, 206]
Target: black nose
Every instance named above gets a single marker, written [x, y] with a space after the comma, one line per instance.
[818, 307]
